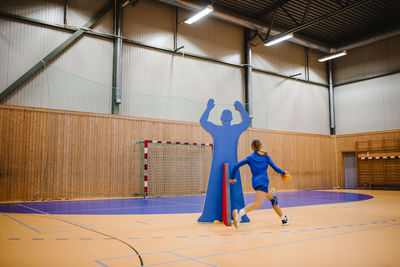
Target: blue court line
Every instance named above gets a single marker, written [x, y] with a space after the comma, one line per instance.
[99, 262]
[284, 243]
[94, 227]
[291, 242]
[30, 227]
[76, 224]
[57, 217]
[314, 238]
[191, 259]
[256, 238]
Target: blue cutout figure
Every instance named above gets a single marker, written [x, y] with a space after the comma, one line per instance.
[226, 138]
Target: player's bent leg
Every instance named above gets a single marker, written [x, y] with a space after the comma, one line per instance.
[238, 214]
[275, 205]
[258, 200]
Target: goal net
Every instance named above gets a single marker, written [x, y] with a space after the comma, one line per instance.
[174, 168]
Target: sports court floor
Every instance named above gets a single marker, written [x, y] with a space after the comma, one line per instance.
[328, 228]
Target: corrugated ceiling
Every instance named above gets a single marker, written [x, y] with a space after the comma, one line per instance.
[368, 18]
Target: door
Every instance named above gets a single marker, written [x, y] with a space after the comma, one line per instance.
[350, 169]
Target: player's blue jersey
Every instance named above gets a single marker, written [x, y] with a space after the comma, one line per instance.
[258, 166]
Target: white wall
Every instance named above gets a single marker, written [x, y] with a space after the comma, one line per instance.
[212, 38]
[181, 89]
[22, 46]
[150, 22]
[382, 56]
[317, 70]
[284, 58]
[81, 72]
[46, 10]
[159, 84]
[370, 105]
[169, 86]
[285, 104]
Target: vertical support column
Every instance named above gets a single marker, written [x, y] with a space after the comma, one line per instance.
[117, 58]
[65, 12]
[176, 29]
[248, 89]
[307, 70]
[331, 98]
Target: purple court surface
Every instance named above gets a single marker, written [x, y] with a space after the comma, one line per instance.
[168, 205]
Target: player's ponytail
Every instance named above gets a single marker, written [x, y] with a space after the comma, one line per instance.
[256, 146]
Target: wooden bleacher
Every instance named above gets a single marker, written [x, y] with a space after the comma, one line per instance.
[378, 163]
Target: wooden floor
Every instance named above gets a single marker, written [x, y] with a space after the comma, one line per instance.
[364, 233]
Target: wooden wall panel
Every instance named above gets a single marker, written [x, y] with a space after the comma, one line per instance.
[347, 143]
[305, 156]
[89, 155]
[92, 155]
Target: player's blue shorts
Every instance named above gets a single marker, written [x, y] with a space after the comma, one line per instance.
[262, 187]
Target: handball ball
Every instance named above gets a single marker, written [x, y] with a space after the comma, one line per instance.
[286, 177]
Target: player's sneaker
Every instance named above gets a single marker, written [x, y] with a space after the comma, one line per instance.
[285, 220]
[236, 218]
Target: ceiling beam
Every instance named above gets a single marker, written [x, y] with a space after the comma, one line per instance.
[268, 10]
[327, 16]
[272, 23]
[290, 16]
[297, 39]
[250, 24]
[305, 12]
[382, 35]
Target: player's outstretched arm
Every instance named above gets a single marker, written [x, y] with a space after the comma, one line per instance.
[208, 126]
[236, 167]
[276, 168]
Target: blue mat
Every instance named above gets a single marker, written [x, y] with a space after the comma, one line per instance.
[169, 205]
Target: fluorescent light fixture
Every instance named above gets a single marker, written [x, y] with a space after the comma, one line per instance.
[199, 15]
[328, 57]
[125, 3]
[278, 40]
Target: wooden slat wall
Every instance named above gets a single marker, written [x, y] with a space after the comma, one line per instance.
[98, 155]
[347, 143]
[306, 156]
[90, 155]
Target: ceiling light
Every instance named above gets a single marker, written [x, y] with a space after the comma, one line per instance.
[278, 40]
[125, 3]
[328, 57]
[199, 15]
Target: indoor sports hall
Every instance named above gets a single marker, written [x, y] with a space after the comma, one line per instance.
[133, 132]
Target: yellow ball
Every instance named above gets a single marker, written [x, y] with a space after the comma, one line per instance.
[286, 177]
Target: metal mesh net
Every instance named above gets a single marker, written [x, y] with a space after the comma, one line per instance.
[176, 169]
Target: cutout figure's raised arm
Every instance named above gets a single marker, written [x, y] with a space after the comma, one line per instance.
[208, 126]
[245, 117]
